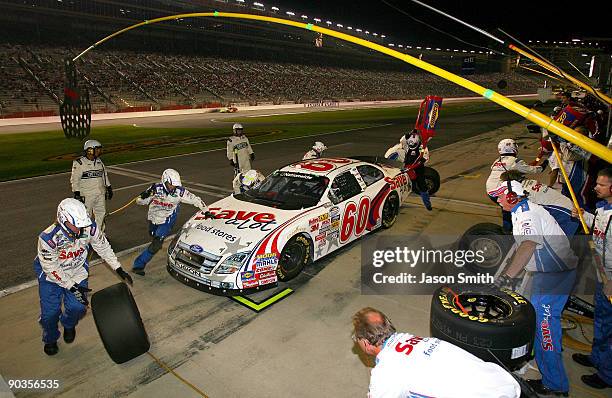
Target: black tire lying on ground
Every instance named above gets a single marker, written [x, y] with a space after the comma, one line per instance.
[492, 240]
[119, 324]
[499, 322]
[432, 180]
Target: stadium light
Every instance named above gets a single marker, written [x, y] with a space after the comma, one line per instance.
[427, 48]
[408, 46]
[328, 22]
[418, 48]
[240, 1]
[349, 27]
[367, 33]
[375, 34]
[358, 30]
[305, 16]
[290, 13]
[400, 46]
[438, 49]
[383, 36]
[472, 52]
[317, 19]
[455, 50]
[275, 9]
[576, 40]
[258, 4]
[339, 25]
[391, 45]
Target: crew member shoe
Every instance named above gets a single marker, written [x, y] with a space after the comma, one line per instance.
[139, 271]
[51, 349]
[584, 360]
[595, 381]
[69, 335]
[542, 390]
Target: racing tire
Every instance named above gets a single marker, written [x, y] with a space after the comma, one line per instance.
[432, 180]
[489, 238]
[295, 255]
[499, 325]
[119, 323]
[390, 210]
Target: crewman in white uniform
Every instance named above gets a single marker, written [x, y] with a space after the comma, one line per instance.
[411, 366]
[239, 151]
[90, 183]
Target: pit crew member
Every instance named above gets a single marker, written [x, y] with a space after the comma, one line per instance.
[415, 159]
[508, 160]
[90, 183]
[316, 152]
[409, 365]
[601, 352]
[249, 180]
[164, 201]
[239, 151]
[544, 250]
[61, 268]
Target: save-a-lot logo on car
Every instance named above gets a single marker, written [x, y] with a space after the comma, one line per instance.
[242, 219]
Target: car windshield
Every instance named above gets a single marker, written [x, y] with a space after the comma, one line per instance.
[287, 191]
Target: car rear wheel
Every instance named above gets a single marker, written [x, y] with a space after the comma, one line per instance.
[390, 210]
[295, 255]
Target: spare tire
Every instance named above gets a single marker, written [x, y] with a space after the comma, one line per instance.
[491, 239]
[498, 325]
[119, 324]
[432, 180]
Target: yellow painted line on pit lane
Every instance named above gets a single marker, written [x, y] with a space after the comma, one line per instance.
[258, 307]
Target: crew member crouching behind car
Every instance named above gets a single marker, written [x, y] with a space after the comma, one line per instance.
[544, 250]
[164, 200]
[412, 366]
[249, 180]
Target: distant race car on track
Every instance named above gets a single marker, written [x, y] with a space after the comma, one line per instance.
[229, 109]
[297, 215]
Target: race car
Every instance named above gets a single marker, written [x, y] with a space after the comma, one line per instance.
[298, 214]
[229, 109]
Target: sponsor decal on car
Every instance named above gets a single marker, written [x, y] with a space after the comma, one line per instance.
[267, 259]
[323, 217]
[334, 212]
[321, 236]
[265, 269]
[267, 280]
[398, 181]
[249, 284]
[191, 271]
[245, 276]
[265, 275]
[196, 248]
[217, 232]
[314, 227]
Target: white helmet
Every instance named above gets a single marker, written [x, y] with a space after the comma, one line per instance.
[411, 140]
[250, 178]
[238, 129]
[72, 217]
[507, 146]
[171, 177]
[319, 146]
[92, 144]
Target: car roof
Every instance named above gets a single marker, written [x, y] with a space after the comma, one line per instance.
[338, 165]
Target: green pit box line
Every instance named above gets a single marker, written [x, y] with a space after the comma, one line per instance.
[258, 307]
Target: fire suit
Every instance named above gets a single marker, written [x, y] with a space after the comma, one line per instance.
[163, 210]
[239, 187]
[558, 205]
[89, 177]
[60, 264]
[502, 164]
[601, 352]
[240, 152]
[412, 366]
[312, 154]
[554, 272]
[575, 160]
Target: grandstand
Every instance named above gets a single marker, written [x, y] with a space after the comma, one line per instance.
[206, 62]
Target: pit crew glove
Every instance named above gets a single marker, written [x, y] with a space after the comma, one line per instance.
[80, 293]
[145, 194]
[124, 275]
[77, 196]
[504, 281]
[252, 157]
[109, 192]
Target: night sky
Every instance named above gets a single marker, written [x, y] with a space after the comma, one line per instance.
[525, 20]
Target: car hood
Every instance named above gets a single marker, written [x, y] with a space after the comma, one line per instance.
[238, 227]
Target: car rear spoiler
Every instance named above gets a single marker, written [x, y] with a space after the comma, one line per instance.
[380, 160]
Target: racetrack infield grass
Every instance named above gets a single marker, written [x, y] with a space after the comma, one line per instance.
[40, 153]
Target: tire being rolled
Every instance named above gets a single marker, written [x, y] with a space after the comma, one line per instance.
[505, 335]
[491, 239]
[119, 323]
[432, 180]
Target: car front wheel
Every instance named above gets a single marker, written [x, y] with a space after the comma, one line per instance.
[295, 255]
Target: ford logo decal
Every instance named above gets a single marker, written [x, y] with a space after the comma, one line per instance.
[196, 248]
